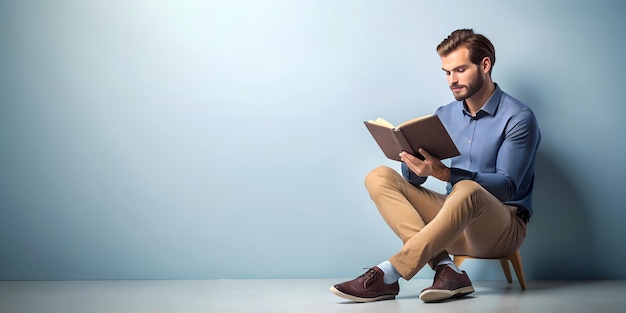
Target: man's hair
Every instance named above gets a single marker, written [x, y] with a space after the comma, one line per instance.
[478, 45]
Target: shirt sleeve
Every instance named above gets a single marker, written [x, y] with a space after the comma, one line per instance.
[412, 177]
[515, 157]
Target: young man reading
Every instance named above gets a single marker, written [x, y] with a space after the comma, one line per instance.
[488, 201]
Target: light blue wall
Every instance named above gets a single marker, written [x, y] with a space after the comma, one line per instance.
[224, 139]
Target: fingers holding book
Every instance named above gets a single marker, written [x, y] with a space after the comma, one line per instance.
[429, 166]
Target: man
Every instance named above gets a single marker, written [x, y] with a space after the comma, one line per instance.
[488, 201]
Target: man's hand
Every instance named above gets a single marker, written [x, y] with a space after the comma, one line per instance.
[430, 166]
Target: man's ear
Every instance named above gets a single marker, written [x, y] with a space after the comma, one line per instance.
[486, 64]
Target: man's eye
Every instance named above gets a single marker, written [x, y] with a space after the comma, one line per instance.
[461, 70]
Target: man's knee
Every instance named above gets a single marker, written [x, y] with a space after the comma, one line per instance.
[380, 176]
[467, 187]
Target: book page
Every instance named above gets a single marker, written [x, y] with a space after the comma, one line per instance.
[381, 122]
[414, 120]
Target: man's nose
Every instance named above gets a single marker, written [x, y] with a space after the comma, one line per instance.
[452, 78]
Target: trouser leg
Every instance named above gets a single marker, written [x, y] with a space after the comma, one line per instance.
[468, 221]
[404, 207]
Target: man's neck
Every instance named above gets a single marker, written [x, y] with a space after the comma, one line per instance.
[475, 102]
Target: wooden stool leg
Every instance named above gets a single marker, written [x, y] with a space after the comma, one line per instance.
[458, 259]
[516, 260]
[507, 271]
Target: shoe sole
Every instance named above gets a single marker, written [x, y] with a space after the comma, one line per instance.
[359, 299]
[436, 295]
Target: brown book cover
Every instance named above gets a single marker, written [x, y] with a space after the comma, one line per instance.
[423, 132]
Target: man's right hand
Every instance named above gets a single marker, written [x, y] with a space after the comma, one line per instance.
[430, 166]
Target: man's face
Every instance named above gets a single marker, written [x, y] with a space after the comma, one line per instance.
[464, 77]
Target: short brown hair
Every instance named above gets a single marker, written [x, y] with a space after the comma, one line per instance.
[478, 45]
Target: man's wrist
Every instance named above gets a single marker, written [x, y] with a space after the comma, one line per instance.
[442, 174]
[446, 174]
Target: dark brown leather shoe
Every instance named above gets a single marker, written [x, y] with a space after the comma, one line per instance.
[368, 287]
[447, 284]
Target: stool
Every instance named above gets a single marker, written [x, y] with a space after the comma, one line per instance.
[516, 261]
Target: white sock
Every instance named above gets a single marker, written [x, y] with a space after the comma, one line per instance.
[391, 273]
[448, 261]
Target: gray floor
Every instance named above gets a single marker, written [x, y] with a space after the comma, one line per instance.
[302, 296]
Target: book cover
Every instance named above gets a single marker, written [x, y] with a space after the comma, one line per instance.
[425, 132]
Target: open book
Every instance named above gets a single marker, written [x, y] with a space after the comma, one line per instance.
[425, 132]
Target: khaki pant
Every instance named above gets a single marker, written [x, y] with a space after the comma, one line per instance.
[468, 221]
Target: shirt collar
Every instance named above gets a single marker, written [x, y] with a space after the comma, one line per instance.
[490, 106]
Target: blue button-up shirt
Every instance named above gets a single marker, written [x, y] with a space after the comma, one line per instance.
[498, 148]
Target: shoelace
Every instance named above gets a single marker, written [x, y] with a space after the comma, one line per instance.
[370, 275]
[438, 275]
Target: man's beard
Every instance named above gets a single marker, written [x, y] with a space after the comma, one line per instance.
[471, 89]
